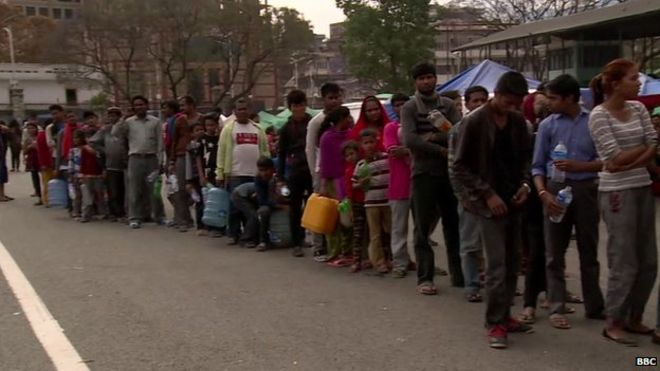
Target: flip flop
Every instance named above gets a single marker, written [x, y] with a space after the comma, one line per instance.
[624, 341]
[631, 330]
[474, 297]
[574, 299]
[526, 318]
[558, 321]
[427, 288]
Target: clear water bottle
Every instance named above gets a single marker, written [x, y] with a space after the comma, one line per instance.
[560, 153]
[564, 198]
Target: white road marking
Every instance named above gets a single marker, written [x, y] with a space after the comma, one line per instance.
[47, 330]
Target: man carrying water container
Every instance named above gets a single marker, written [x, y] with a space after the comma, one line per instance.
[565, 156]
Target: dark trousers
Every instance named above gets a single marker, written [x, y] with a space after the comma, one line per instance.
[199, 205]
[533, 238]
[501, 239]
[236, 219]
[434, 197]
[116, 184]
[36, 182]
[300, 184]
[583, 214]
[15, 157]
[247, 208]
[360, 231]
[264, 213]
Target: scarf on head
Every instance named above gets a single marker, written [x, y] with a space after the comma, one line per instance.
[67, 139]
[362, 122]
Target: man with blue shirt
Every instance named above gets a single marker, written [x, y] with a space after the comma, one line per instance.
[569, 125]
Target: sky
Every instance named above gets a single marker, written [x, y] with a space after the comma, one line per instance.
[321, 13]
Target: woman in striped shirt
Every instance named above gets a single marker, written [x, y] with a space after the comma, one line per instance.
[626, 142]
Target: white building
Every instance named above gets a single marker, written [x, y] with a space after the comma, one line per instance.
[46, 84]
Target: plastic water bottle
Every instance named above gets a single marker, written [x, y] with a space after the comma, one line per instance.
[560, 153]
[564, 198]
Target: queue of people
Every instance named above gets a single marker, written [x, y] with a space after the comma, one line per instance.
[509, 180]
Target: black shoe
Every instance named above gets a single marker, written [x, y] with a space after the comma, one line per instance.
[298, 252]
[597, 316]
[233, 242]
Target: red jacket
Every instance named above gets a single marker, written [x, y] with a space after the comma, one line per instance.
[355, 195]
[90, 165]
[44, 153]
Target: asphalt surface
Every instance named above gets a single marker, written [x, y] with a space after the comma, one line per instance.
[157, 299]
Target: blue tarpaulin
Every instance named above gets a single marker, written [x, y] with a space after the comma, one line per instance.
[485, 74]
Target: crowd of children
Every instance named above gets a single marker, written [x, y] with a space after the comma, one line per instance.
[424, 159]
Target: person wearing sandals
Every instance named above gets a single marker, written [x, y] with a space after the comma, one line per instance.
[491, 167]
[399, 190]
[351, 152]
[471, 247]
[372, 175]
[569, 125]
[626, 142]
[424, 122]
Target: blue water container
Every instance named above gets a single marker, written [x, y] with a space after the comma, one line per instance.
[58, 193]
[280, 229]
[216, 208]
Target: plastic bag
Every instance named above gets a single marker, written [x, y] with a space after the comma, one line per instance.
[345, 213]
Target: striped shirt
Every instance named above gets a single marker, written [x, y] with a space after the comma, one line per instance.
[378, 171]
[612, 136]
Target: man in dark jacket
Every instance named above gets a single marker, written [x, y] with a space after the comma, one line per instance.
[491, 168]
[293, 166]
[425, 121]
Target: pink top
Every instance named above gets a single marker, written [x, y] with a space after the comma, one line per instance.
[400, 168]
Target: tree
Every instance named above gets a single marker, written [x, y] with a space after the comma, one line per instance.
[28, 35]
[386, 38]
[249, 38]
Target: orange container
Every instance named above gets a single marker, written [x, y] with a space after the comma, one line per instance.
[321, 214]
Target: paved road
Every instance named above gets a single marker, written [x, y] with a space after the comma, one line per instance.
[156, 299]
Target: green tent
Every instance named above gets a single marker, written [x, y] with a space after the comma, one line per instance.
[267, 120]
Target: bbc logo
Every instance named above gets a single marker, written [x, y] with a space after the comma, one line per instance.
[646, 361]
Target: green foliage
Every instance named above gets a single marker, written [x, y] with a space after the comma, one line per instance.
[384, 39]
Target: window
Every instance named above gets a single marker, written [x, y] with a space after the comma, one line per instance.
[44, 12]
[214, 77]
[57, 13]
[560, 59]
[596, 56]
[30, 11]
[68, 13]
[71, 97]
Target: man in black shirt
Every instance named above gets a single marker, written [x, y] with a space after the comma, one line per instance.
[292, 165]
[491, 167]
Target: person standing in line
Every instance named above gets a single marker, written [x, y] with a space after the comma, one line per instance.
[491, 167]
[333, 97]
[115, 152]
[210, 143]
[372, 116]
[45, 154]
[177, 160]
[32, 157]
[14, 138]
[425, 121]
[195, 175]
[4, 176]
[569, 125]
[64, 143]
[471, 247]
[293, 167]
[626, 142]
[145, 157]
[399, 190]
[241, 144]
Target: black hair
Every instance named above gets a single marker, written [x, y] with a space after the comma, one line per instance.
[265, 163]
[330, 88]
[512, 83]
[196, 124]
[171, 104]
[564, 85]
[139, 97]
[211, 117]
[187, 99]
[369, 133]
[474, 89]
[451, 94]
[422, 69]
[88, 114]
[331, 119]
[241, 101]
[399, 97]
[56, 107]
[296, 97]
[351, 144]
[79, 134]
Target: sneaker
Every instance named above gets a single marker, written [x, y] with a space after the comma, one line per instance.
[216, 234]
[183, 229]
[513, 325]
[497, 337]
[321, 258]
[262, 247]
[39, 203]
[84, 220]
[233, 242]
[298, 252]
[135, 225]
[251, 245]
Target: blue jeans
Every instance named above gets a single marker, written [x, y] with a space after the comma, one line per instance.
[235, 217]
[470, 249]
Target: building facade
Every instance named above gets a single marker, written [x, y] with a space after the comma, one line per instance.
[56, 9]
